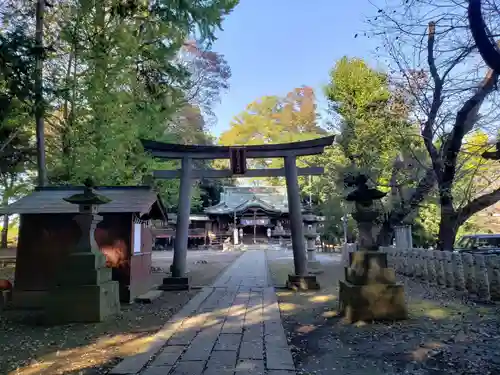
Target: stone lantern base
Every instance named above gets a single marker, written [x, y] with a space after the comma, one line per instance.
[314, 267]
[308, 282]
[85, 292]
[370, 291]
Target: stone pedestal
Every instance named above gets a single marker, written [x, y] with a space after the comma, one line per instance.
[370, 291]
[307, 282]
[175, 283]
[84, 290]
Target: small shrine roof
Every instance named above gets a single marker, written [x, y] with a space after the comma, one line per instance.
[124, 199]
[239, 199]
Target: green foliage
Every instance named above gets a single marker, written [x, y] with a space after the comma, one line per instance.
[475, 175]
[273, 120]
[378, 139]
[16, 101]
[114, 73]
[373, 127]
[426, 226]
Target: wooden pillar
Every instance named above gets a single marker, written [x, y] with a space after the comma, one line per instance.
[295, 213]
[183, 212]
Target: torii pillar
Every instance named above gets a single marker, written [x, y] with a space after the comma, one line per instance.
[179, 279]
[301, 280]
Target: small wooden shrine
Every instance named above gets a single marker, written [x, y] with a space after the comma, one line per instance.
[47, 233]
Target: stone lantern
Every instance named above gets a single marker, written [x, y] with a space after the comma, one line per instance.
[370, 291]
[310, 233]
[279, 232]
[85, 291]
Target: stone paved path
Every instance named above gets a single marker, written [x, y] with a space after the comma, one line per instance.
[232, 328]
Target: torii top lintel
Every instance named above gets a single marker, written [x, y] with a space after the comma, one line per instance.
[177, 151]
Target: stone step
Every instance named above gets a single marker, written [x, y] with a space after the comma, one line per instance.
[149, 297]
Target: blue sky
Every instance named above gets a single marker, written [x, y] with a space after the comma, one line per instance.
[274, 46]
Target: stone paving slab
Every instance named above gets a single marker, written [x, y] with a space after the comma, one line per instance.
[250, 367]
[251, 350]
[158, 370]
[221, 362]
[182, 338]
[279, 358]
[232, 328]
[189, 368]
[168, 356]
[131, 365]
[228, 341]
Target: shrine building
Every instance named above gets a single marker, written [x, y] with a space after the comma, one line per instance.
[251, 209]
[254, 210]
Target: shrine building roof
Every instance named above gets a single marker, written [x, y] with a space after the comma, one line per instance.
[272, 199]
[124, 199]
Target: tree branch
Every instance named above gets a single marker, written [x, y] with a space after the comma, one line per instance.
[427, 131]
[488, 50]
[465, 120]
[423, 188]
[395, 190]
[479, 204]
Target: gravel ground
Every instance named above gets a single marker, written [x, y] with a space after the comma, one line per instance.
[445, 333]
[91, 349]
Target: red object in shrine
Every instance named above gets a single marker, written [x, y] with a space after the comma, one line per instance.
[5, 285]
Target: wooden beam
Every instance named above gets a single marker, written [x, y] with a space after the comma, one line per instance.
[178, 151]
[250, 154]
[226, 173]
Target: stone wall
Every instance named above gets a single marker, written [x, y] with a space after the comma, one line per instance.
[475, 274]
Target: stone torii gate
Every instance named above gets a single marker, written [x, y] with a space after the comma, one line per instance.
[238, 155]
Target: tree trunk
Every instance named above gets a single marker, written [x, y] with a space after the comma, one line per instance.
[65, 131]
[386, 234]
[39, 105]
[448, 228]
[100, 68]
[5, 232]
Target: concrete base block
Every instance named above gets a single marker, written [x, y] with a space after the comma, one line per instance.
[307, 282]
[83, 303]
[372, 302]
[370, 291]
[174, 283]
[314, 267]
